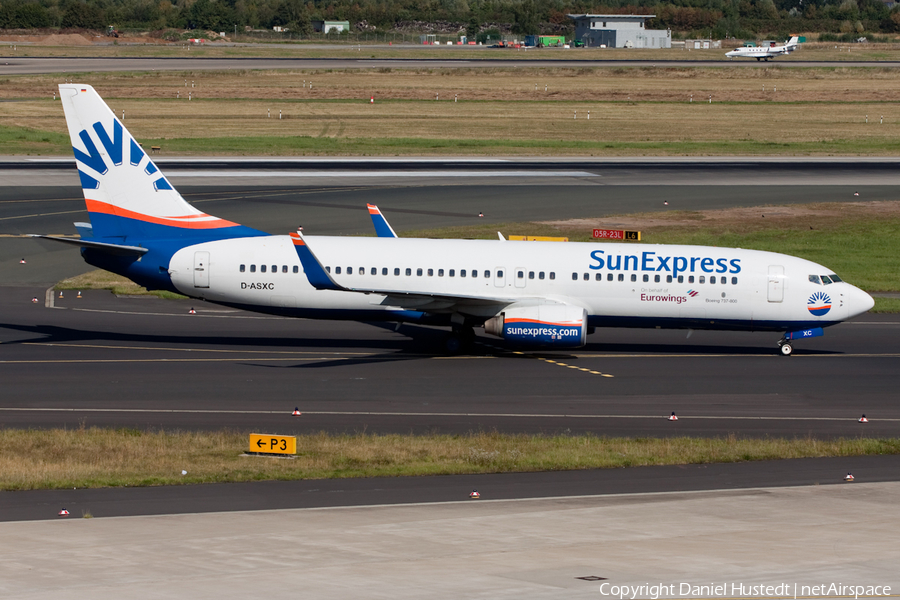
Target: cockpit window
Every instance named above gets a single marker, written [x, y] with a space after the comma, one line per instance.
[835, 278]
[826, 279]
[815, 279]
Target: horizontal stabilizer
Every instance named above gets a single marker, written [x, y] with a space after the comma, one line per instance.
[118, 249]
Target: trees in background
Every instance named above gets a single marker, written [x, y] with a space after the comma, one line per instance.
[716, 18]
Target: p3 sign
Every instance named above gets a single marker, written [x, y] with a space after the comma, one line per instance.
[273, 444]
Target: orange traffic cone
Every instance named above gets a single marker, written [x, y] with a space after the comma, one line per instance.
[34, 299]
[474, 495]
[372, 100]
[63, 513]
[79, 295]
[22, 262]
[60, 295]
[863, 419]
[672, 417]
[192, 311]
[296, 412]
[849, 477]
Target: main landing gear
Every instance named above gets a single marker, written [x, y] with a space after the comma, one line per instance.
[460, 339]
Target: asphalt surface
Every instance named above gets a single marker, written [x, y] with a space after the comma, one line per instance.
[147, 363]
[16, 65]
[275, 495]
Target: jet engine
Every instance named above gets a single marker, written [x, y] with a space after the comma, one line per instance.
[556, 324]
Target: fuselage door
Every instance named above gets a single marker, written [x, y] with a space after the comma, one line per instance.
[520, 277]
[500, 277]
[776, 283]
[201, 269]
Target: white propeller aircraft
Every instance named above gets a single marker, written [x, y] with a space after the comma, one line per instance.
[765, 52]
[529, 293]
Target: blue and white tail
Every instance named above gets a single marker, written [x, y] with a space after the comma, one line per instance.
[127, 196]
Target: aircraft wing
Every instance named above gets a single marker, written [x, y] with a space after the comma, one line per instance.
[322, 280]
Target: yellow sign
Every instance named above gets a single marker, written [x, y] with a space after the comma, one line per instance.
[273, 444]
[537, 238]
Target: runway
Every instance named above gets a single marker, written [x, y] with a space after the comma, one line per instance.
[14, 65]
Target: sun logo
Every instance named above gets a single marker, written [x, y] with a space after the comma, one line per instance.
[819, 304]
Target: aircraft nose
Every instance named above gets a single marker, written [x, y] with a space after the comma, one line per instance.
[858, 302]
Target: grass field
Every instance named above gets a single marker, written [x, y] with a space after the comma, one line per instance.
[643, 111]
[96, 457]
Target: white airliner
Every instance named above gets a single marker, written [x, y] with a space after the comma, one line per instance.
[765, 52]
[530, 293]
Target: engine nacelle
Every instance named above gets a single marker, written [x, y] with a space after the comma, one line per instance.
[561, 325]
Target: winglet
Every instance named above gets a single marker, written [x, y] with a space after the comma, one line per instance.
[315, 273]
[382, 227]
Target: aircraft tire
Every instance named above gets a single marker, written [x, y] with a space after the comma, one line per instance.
[786, 349]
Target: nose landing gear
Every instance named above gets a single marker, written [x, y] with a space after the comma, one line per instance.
[785, 347]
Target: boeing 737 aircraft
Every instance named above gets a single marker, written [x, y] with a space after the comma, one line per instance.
[765, 52]
[529, 293]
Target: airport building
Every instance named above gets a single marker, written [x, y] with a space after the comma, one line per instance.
[330, 26]
[619, 31]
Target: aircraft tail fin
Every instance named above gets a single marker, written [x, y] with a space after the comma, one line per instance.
[127, 196]
[794, 41]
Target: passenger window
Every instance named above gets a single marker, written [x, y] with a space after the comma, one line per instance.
[296, 269]
[712, 278]
[633, 277]
[668, 279]
[408, 272]
[826, 280]
[598, 277]
[574, 276]
[656, 279]
[552, 275]
[520, 274]
[690, 279]
[418, 272]
[815, 279]
[396, 272]
[440, 272]
[242, 268]
[274, 268]
[384, 271]
[262, 268]
[349, 270]
[586, 276]
[452, 273]
[681, 279]
[462, 272]
[646, 278]
[430, 273]
[362, 270]
[487, 275]
[474, 272]
[609, 276]
[337, 270]
[734, 281]
[541, 275]
[702, 279]
[530, 274]
[374, 271]
[253, 268]
[284, 268]
[328, 269]
[621, 277]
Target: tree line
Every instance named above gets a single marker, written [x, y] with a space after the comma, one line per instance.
[713, 18]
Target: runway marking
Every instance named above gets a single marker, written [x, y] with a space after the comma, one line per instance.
[552, 362]
[194, 316]
[168, 360]
[287, 412]
[64, 212]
